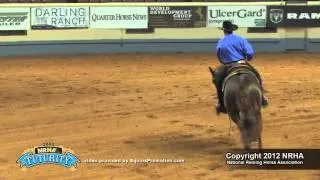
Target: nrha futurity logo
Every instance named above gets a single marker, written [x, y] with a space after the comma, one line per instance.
[48, 153]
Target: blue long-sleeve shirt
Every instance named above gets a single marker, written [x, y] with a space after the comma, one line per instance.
[232, 48]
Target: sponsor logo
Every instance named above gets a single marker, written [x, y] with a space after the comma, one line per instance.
[259, 22]
[177, 14]
[13, 19]
[198, 12]
[118, 17]
[60, 17]
[243, 16]
[240, 13]
[48, 153]
[276, 15]
[303, 15]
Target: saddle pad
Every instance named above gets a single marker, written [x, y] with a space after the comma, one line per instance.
[236, 72]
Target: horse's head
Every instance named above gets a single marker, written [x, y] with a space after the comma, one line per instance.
[213, 73]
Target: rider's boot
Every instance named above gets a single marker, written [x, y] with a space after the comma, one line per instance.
[220, 108]
[265, 101]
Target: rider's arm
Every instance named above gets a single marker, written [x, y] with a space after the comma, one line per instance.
[248, 50]
[218, 51]
[218, 55]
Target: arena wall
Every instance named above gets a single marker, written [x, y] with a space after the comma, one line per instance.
[77, 41]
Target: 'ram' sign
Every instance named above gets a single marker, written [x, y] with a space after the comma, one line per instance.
[293, 16]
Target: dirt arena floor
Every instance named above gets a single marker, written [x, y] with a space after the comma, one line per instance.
[148, 106]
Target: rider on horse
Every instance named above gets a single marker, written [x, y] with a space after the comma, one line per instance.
[232, 50]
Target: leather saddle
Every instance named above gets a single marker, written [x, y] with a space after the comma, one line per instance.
[236, 69]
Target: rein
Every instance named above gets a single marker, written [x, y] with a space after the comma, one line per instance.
[230, 126]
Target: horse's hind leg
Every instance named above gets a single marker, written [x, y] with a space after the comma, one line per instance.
[260, 143]
[246, 145]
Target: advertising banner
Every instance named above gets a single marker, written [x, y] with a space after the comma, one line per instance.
[243, 16]
[119, 17]
[14, 19]
[293, 16]
[59, 17]
[177, 16]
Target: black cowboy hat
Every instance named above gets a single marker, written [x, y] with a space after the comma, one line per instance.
[228, 26]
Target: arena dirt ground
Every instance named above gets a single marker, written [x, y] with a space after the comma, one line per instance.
[138, 106]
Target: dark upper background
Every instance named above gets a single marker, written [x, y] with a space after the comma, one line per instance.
[97, 1]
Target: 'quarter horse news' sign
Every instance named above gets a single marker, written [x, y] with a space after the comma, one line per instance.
[59, 17]
[119, 17]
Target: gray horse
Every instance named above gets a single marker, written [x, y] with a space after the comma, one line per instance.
[242, 98]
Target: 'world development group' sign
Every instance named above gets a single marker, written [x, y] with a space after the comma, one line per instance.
[59, 17]
[177, 16]
[243, 16]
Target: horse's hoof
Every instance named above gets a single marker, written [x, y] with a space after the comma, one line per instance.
[217, 111]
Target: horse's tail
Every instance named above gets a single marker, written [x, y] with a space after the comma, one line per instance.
[249, 107]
